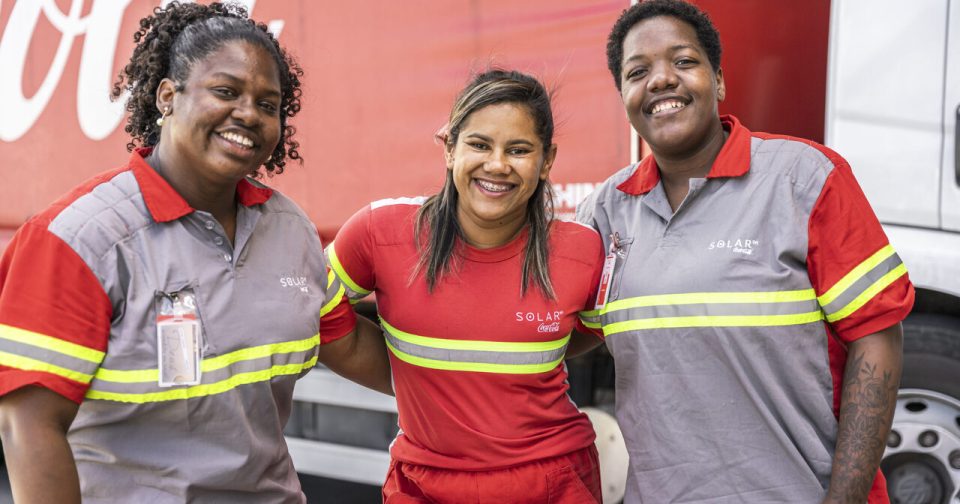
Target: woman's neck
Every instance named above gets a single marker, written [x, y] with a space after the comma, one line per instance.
[217, 199]
[677, 170]
[490, 235]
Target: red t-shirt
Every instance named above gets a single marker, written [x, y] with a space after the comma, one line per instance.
[477, 368]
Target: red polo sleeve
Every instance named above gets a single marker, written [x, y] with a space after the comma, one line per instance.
[349, 258]
[351, 255]
[588, 320]
[54, 315]
[860, 281]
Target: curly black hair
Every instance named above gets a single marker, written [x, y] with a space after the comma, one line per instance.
[707, 34]
[173, 39]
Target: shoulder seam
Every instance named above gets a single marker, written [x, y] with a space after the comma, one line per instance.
[581, 224]
[829, 153]
[405, 200]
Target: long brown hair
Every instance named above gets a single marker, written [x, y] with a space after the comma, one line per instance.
[437, 231]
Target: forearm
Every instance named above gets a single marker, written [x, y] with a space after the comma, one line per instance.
[870, 383]
[581, 343]
[361, 357]
[38, 458]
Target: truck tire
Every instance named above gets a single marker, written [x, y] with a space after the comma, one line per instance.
[922, 459]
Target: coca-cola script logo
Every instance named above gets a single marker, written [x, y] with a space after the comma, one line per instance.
[98, 115]
[548, 328]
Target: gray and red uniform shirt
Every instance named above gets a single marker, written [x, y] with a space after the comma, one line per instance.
[728, 319]
[78, 289]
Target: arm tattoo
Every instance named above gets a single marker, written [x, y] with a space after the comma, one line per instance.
[867, 406]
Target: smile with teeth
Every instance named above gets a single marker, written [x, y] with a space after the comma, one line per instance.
[237, 139]
[667, 105]
[493, 187]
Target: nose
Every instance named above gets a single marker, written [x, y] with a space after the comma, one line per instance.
[245, 111]
[662, 76]
[497, 162]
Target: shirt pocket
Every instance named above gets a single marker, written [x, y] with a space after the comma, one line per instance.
[182, 288]
[125, 390]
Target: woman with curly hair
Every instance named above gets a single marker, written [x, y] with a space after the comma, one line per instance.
[153, 321]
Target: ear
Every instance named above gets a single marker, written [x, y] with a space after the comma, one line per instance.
[165, 93]
[721, 87]
[448, 155]
[548, 162]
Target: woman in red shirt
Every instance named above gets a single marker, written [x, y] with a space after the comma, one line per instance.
[479, 290]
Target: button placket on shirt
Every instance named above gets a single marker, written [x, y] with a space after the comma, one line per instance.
[219, 239]
[672, 236]
[247, 218]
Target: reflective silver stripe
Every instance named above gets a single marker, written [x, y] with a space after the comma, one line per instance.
[590, 318]
[333, 286]
[353, 290]
[332, 294]
[475, 356]
[46, 356]
[711, 310]
[503, 357]
[145, 381]
[862, 284]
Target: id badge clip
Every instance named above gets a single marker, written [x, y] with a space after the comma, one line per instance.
[179, 339]
[607, 275]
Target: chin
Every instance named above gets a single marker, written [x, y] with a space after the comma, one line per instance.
[669, 139]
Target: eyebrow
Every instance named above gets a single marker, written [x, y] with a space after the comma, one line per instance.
[234, 78]
[485, 138]
[673, 48]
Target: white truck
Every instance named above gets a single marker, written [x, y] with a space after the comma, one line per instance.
[893, 101]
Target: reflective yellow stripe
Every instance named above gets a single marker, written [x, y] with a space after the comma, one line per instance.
[208, 365]
[869, 293]
[855, 274]
[590, 313]
[711, 297]
[475, 366]
[258, 352]
[204, 389]
[591, 325]
[28, 364]
[50, 343]
[344, 277]
[715, 321]
[487, 346]
[334, 301]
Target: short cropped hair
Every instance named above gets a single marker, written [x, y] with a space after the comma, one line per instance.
[707, 34]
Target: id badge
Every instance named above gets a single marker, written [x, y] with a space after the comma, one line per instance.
[605, 278]
[179, 339]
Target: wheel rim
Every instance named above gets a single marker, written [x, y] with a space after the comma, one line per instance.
[922, 458]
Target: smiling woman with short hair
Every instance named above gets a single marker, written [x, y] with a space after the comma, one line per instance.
[755, 307]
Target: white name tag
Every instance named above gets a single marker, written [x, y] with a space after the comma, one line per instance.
[178, 352]
[179, 339]
[605, 278]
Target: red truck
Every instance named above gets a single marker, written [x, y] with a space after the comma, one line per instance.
[875, 79]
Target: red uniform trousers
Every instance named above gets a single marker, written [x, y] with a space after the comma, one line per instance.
[573, 478]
